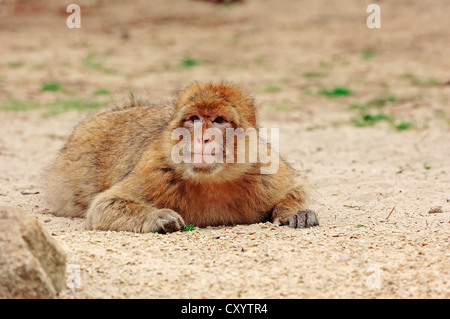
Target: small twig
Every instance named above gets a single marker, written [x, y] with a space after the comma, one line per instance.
[390, 213]
[29, 193]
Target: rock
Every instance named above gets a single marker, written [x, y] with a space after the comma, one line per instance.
[436, 210]
[32, 265]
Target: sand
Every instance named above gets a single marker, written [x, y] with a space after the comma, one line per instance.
[382, 194]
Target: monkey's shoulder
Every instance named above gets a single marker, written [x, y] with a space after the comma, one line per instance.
[121, 122]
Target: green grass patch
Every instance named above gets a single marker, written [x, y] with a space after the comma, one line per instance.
[102, 92]
[367, 119]
[260, 60]
[426, 82]
[367, 116]
[227, 5]
[368, 53]
[188, 228]
[18, 105]
[284, 107]
[381, 101]
[61, 105]
[39, 66]
[272, 88]
[414, 80]
[15, 64]
[91, 61]
[375, 102]
[313, 74]
[55, 107]
[51, 86]
[357, 106]
[188, 62]
[403, 126]
[325, 64]
[335, 92]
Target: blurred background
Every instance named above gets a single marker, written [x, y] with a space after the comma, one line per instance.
[315, 62]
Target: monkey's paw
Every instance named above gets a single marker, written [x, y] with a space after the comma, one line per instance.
[166, 221]
[301, 219]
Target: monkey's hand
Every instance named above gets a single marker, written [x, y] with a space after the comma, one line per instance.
[108, 212]
[292, 211]
[166, 221]
[297, 219]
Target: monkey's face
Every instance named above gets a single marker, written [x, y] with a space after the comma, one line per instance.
[207, 140]
[204, 147]
[206, 118]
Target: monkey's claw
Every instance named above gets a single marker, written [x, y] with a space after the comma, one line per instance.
[167, 221]
[303, 219]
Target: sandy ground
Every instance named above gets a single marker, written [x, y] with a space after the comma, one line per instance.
[375, 186]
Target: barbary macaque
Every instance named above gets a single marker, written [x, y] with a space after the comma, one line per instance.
[140, 167]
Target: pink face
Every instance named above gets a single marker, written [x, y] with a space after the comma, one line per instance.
[208, 133]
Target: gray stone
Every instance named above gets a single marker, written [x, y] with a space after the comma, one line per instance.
[32, 265]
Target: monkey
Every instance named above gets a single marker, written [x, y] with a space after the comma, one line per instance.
[117, 168]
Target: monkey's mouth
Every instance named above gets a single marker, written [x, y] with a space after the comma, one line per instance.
[204, 163]
[209, 169]
[201, 158]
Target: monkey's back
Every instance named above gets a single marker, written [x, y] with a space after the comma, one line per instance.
[102, 150]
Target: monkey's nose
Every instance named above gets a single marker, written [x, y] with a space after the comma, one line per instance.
[206, 140]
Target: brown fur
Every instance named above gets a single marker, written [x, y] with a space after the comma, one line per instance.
[116, 170]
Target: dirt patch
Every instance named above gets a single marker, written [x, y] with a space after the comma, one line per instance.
[376, 153]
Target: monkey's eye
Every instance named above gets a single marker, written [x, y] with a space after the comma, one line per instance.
[219, 120]
[194, 118]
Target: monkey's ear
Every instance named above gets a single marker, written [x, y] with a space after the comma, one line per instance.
[253, 120]
[249, 115]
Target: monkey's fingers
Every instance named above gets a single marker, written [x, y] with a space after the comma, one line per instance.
[303, 219]
[168, 221]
